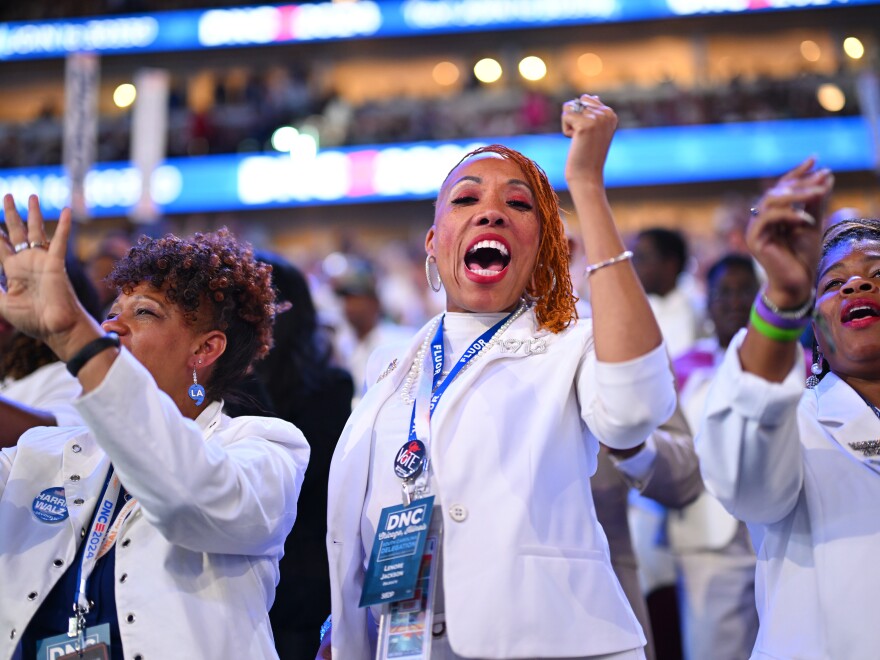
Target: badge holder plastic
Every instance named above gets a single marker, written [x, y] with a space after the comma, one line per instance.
[405, 627]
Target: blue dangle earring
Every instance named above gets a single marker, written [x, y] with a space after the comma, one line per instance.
[196, 391]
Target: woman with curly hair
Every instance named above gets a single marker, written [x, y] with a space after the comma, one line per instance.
[521, 394]
[157, 529]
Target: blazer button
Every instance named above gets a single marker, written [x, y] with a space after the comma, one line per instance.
[78, 501]
[74, 477]
[138, 657]
[76, 449]
[58, 563]
[458, 512]
[130, 617]
[126, 543]
[32, 595]
[82, 532]
[123, 578]
[12, 634]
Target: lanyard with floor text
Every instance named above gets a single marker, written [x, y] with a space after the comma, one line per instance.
[427, 399]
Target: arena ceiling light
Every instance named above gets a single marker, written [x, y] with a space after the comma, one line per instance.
[853, 47]
[445, 73]
[810, 50]
[124, 95]
[487, 70]
[532, 68]
[831, 97]
[590, 64]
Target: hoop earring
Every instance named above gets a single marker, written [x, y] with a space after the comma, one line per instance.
[428, 261]
[816, 369]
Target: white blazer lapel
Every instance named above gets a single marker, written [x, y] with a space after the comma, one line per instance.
[847, 417]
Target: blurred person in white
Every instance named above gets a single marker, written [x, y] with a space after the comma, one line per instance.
[665, 469]
[35, 388]
[713, 551]
[524, 569]
[157, 527]
[367, 326]
[800, 466]
[659, 257]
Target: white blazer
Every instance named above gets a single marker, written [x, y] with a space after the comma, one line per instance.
[199, 555]
[513, 443]
[777, 457]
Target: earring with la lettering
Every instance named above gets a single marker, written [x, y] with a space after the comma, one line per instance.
[196, 392]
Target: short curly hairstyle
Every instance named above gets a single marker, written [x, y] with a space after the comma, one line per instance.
[550, 286]
[218, 284]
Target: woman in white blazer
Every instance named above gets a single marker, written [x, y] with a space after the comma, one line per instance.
[161, 521]
[800, 465]
[514, 437]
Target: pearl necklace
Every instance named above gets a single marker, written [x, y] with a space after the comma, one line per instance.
[415, 371]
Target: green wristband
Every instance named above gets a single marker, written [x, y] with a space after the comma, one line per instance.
[771, 331]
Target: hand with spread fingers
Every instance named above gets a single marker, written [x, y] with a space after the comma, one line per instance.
[39, 299]
[785, 233]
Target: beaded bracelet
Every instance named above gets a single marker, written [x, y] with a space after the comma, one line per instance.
[772, 331]
[781, 317]
[623, 256]
[771, 315]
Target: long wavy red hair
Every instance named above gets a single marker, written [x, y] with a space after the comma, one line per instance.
[550, 285]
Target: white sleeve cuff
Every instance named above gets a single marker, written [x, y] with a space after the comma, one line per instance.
[640, 466]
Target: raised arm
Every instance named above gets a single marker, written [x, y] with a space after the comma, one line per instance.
[623, 324]
[785, 237]
[16, 418]
[749, 443]
[39, 299]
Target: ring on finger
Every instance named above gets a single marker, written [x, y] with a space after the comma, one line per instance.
[19, 247]
[39, 244]
[575, 105]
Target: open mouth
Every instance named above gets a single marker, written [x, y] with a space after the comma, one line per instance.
[859, 311]
[487, 257]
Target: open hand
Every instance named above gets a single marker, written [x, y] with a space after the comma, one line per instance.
[785, 235]
[38, 299]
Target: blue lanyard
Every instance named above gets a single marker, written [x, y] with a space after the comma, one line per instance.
[99, 531]
[440, 384]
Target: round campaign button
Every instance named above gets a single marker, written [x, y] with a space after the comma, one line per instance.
[410, 460]
[50, 505]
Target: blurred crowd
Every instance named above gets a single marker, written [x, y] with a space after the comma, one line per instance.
[247, 109]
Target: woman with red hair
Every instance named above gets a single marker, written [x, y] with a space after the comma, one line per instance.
[496, 411]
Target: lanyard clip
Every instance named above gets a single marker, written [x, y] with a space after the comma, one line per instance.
[76, 626]
[408, 490]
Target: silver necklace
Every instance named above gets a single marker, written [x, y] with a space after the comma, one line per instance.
[415, 370]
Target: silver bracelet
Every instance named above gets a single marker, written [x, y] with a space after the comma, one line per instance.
[623, 256]
[798, 314]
